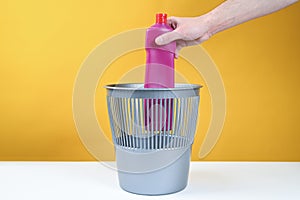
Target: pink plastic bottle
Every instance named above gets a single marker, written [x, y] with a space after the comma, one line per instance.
[159, 59]
[159, 74]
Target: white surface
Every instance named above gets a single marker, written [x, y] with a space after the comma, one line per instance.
[92, 180]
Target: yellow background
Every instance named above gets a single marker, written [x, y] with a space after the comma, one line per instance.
[43, 43]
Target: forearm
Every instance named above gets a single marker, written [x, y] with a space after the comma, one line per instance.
[234, 12]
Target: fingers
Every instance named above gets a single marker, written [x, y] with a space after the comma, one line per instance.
[167, 38]
[173, 22]
[178, 48]
[179, 45]
[172, 19]
[171, 36]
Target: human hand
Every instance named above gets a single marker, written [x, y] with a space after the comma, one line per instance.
[195, 30]
[187, 32]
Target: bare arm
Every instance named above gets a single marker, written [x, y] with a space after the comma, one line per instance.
[234, 12]
[192, 31]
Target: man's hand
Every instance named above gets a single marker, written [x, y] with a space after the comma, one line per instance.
[187, 32]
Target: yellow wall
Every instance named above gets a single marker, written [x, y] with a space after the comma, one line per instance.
[43, 43]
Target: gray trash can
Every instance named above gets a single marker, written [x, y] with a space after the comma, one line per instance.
[153, 131]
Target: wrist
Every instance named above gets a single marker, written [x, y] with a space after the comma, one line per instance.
[217, 23]
[204, 24]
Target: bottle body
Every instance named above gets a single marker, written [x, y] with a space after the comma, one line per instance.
[159, 74]
[159, 59]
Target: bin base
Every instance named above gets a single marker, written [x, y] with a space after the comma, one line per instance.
[168, 179]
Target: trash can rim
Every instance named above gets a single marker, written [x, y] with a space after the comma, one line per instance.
[140, 86]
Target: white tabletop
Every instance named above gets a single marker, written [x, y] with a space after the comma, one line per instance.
[93, 180]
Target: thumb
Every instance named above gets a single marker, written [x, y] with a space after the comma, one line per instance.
[167, 38]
